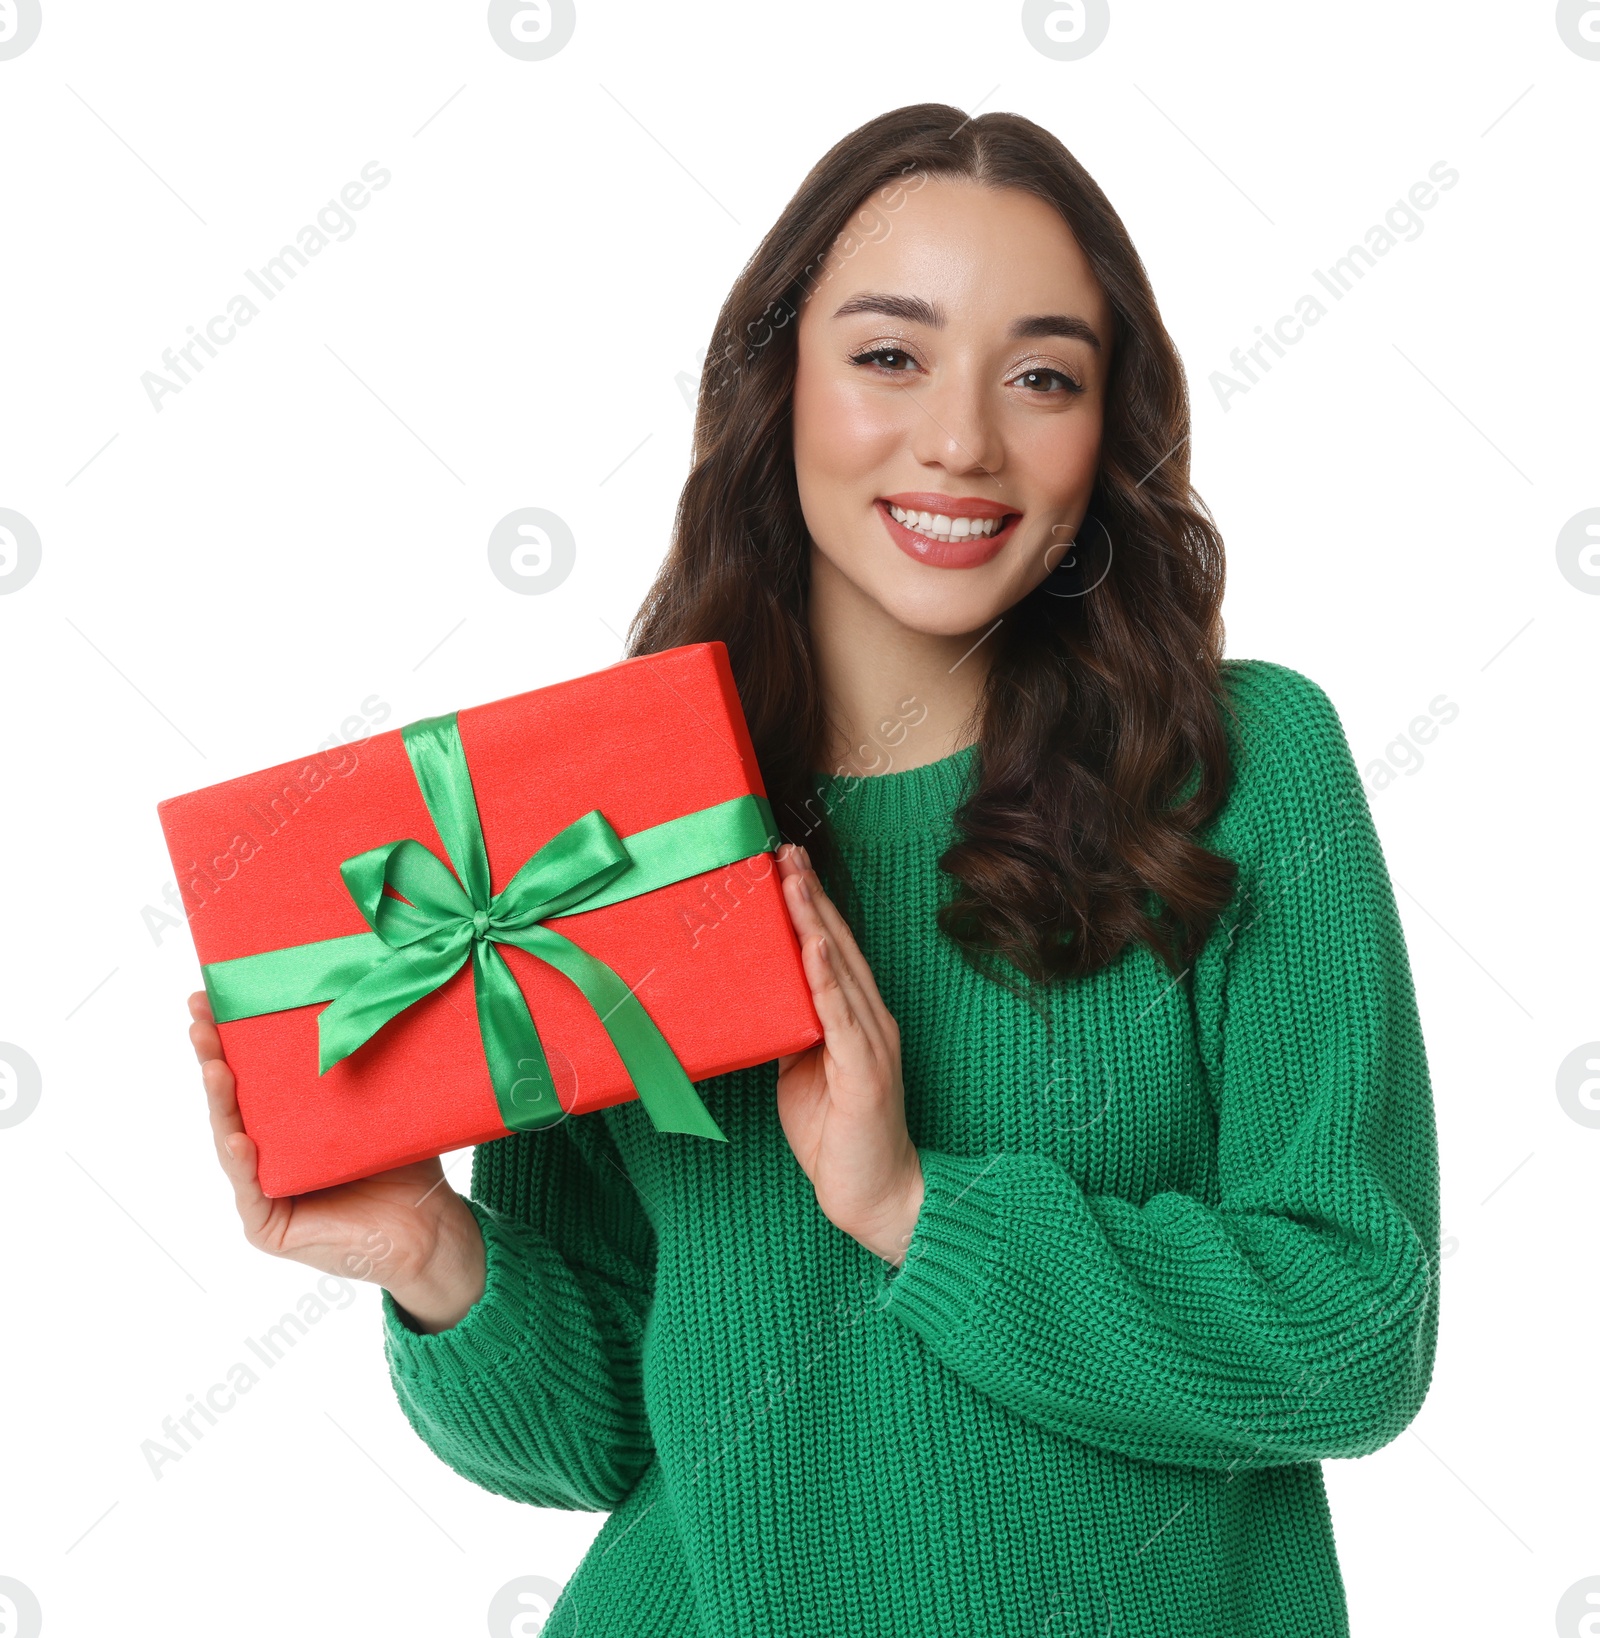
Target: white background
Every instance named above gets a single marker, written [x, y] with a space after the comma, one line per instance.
[304, 526]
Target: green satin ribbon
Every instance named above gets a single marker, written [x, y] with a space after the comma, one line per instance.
[422, 939]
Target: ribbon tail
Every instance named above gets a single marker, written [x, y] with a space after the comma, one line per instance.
[667, 1093]
[410, 972]
[519, 1071]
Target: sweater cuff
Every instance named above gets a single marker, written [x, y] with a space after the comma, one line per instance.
[489, 1334]
[948, 1268]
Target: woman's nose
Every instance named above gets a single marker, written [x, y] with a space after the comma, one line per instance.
[955, 426]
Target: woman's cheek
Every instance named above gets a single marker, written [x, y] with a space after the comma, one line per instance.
[852, 434]
[1058, 460]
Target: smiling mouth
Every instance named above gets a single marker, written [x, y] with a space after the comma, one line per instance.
[937, 526]
[941, 540]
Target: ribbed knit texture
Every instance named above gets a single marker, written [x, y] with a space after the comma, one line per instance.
[1180, 1242]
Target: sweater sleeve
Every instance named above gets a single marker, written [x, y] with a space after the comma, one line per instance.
[536, 1392]
[1296, 1317]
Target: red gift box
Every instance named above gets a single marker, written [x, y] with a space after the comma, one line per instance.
[712, 958]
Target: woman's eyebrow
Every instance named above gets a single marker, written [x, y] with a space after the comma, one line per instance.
[1056, 324]
[917, 311]
[913, 308]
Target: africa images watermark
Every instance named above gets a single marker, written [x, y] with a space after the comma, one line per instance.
[274, 803]
[869, 224]
[1401, 223]
[334, 224]
[181, 1432]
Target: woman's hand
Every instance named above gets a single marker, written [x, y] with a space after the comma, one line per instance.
[405, 1229]
[842, 1104]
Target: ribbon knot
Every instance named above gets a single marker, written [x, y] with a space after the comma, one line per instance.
[480, 923]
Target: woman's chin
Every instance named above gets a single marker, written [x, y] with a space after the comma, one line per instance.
[957, 612]
[918, 598]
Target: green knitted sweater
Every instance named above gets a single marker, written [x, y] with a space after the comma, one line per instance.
[1179, 1244]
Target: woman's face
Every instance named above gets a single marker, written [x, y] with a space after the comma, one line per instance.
[948, 400]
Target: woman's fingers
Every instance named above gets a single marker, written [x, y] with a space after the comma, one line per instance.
[203, 1031]
[840, 1020]
[806, 909]
[255, 1209]
[221, 1102]
[821, 914]
[815, 915]
[838, 928]
[857, 1041]
[851, 961]
[214, 1072]
[813, 910]
[235, 1148]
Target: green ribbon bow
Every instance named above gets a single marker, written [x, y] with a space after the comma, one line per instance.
[441, 920]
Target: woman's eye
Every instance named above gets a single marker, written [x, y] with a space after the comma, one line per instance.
[1032, 378]
[889, 358]
[1041, 381]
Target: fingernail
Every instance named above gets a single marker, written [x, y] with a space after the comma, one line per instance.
[805, 858]
[805, 888]
[822, 949]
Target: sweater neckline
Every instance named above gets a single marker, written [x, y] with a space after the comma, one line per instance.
[906, 802]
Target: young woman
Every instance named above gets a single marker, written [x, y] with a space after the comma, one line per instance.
[1030, 1301]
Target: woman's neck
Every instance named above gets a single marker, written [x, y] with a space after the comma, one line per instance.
[894, 698]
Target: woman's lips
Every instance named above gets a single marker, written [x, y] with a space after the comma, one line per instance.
[969, 553]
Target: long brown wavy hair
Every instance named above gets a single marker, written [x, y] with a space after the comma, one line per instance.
[1099, 705]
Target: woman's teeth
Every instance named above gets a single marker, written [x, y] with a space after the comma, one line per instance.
[938, 527]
